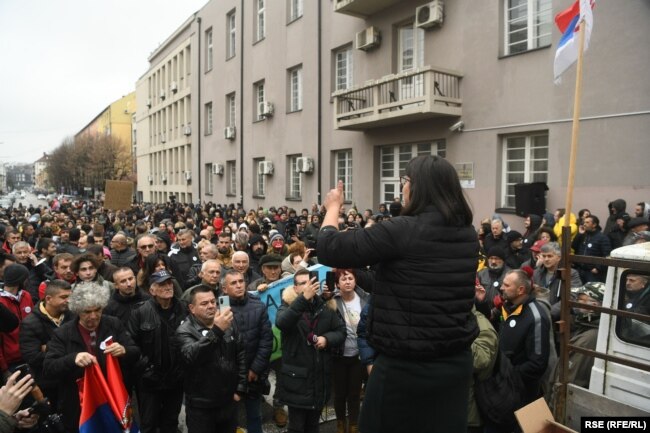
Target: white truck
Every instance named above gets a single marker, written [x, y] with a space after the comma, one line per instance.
[615, 388]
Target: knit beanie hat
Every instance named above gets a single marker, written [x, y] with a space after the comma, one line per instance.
[15, 275]
[497, 252]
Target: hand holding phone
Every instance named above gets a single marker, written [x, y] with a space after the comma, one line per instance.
[224, 302]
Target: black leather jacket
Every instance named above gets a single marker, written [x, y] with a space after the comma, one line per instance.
[214, 361]
[160, 366]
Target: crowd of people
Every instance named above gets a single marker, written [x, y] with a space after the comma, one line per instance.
[421, 307]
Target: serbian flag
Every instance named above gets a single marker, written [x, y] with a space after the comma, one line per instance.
[105, 404]
[567, 21]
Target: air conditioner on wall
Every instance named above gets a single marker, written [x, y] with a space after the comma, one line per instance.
[163, 138]
[150, 178]
[217, 169]
[367, 39]
[163, 95]
[163, 178]
[188, 175]
[265, 168]
[429, 15]
[266, 109]
[149, 103]
[173, 87]
[229, 132]
[187, 130]
[304, 164]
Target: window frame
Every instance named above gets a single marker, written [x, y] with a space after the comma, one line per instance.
[209, 48]
[622, 323]
[294, 179]
[260, 20]
[347, 70]
[295, 89]
[259, 96]
[209, 179]
[295, 10]
[231, 109]
[529, 173]
[259, 187]
[231, 35]
[344, 172]
[231, 173]
[209, 121]
[534, 40]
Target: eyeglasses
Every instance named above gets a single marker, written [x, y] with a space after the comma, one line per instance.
[146, 247]
[403, 180]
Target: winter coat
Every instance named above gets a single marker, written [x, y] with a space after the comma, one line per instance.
[364, 297]
[553, 284]
[214, 363]
[64, 347]
[20, 305]
[304, 379]
[367, 353]
[37, 274]
[160, 366]
[424, 282]
[121, 306]
[484, 355]
[181, 262]
[254, 327]
[618, 206]
[37, 330]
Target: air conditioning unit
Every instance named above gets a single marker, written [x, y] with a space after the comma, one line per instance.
[304, 165]
[163, 178]
[187, 130]
[173, 87]
[163, 95]
[429, 15]
[266, 109]
[265, 168]
[367, 39]
[217, 169]
[163, 138]
[229, 132]
[188, 175]
[150, 178]
[149, 103]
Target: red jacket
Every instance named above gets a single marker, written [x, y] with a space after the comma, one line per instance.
[21, 305]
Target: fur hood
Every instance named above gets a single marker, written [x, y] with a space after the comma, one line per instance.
[289, 295]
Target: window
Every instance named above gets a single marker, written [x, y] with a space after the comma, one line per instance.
[261, 19]
[259, 100]
[231, 107]
[295, 9]
[294, 190]
[295, 89]
[343, 171]
[231, 172]
[527, 25]
[525, 159]
[208, 118]
[393, 161]
[260, 179]
[343, 65]
[231, 41]
[411, 56]
[634, 290]
[209, 179]
[208, 50]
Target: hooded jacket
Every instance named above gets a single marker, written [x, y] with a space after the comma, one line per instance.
[304, 380]
[616, 208]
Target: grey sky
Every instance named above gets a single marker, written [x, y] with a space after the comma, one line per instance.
[65, 61]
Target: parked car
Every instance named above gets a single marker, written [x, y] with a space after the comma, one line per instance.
[41, 197]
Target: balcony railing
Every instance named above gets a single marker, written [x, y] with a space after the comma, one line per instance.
[362, 8]
[398, 98]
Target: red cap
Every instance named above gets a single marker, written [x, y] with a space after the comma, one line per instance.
[537, 246]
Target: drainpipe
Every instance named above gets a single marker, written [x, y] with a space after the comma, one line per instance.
[241, 106]
[319, 139]
[200, 112]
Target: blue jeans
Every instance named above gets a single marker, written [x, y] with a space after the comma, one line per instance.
[253, 415]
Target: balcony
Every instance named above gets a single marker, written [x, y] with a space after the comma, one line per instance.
[362, 8]
[417, 94]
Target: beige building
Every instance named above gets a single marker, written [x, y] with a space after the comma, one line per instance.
[290, 96]
[40, 173]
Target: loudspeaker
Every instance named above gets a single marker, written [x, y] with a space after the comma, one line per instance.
[530, 198]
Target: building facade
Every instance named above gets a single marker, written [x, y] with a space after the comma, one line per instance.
[290, 96]
[40, 173]
[19, 176]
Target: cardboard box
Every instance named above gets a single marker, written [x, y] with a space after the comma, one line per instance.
[537, 418]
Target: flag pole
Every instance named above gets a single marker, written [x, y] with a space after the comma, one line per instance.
[566, 234]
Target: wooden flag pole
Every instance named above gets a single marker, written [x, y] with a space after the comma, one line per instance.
[565, 319]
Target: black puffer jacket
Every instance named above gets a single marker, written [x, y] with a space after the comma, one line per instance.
[304, 380]
[255, 328]
[160, 364]
[424, 282]
[181, 262]
[37, 330]
[215, 364]
[121, 306]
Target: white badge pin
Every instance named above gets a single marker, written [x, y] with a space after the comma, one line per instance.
[628, 306]
[205, 332]
[589, 245]
[495, 284]
[513, 323]
[28, 310]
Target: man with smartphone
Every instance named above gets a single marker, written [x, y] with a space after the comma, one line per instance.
[254, 326]
[310, 328]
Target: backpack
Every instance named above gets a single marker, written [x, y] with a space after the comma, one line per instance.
[501, 394]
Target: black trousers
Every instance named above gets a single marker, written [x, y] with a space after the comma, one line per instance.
[347, 374]
[211, 420]
[303, 420]
[159, 409]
